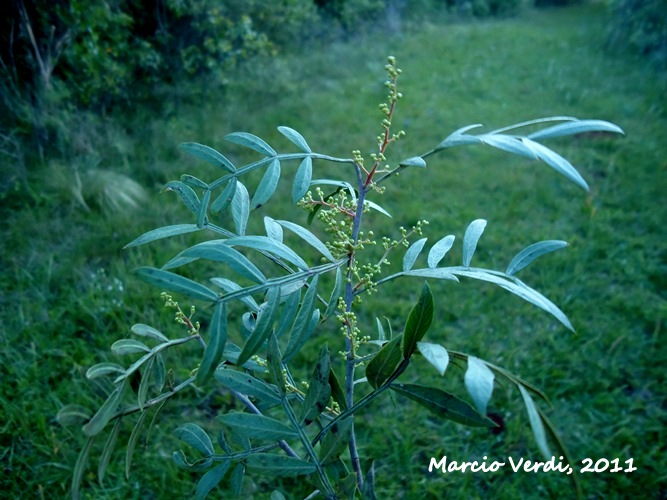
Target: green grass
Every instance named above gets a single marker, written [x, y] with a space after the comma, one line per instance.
[68, 292]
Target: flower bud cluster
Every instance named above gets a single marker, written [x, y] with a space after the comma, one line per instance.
[180, 317]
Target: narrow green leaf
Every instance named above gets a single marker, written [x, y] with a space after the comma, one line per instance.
[273, 229]
[162, 232]
[73, 415]
[148, 331]
[470, 239]
[274, 362]
[267, 316]
[128, 346]
[575, 127]
[434, 354]
[132, 442]
[415, 161]
[337, 392]
[319, 390]
[440, 273]
[219, 251]
[193, 181]
[107, 451]
[535, 423]
[335, 293]
[225, 198]
[196, 437]
[176, 283]
[240, 208]
[211, 479]
[258, 426]
[288, 313]
[419, 321]
[102, 369]
[216, 343]
[202, 219]
[79, 467]
[197, 466]
[368, 492]
[267, 244]
[188, 196]
[295, 345]
[532, 252]
[439, 250]
[302, 179]
[557, 162]
[335, 442]
[382, 336]
[295, 138]
[278, 465]
[308, 237]
[277, 495]
[207, 154]
[248, 385]
[377, 208]
[302, 320]
[146, 383]
[443, 404]
[459, 138]
[236, 480]
[251, 141]
[105, 413]
[479, 382]
[267, 185]
[384, 363]
[412, 253]
[159, 373]
[508, 143]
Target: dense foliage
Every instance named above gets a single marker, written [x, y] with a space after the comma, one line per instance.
[641, 25]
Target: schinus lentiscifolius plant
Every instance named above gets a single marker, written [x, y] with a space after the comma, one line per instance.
[306, 428]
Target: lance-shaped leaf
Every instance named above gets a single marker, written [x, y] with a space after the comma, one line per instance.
[145, 383]
[302, 179]
[278, 465]
[274, 361]
[102, 369]
[248, 385]
[415, 161]
[251, 141]
[470, 239]
[267, 316]
[225, 198]
[440, 273]
[335, 293]
[128, 346]
[419, 321]
[287, 315]
[132, 443]
[368, 491]
[188, 196]
[557, 162]
[337, 392]
[79, 468]
[193, 181]
[240, 208]
[219, 251]
[109, 446]
[443, 404]
[412, 253]
[308, 237]
[336, 441]
[376, 207]
[211, 479]
[439, 250]
[202, 218]
[508, 143]
[532, 252]
[302, 320]
[384, 363]
[73, 415]
[319, 390]
[459, 138]
[230, 286]
[273, 229]
[479, 382]
[176, 283]
[216, 343]
[575, 127]
[258, 426]
[196, 437]
[434, 354]
[207, 154]
[535, 423]
[162, 232]
[269, 245]
[267, 185]
[148, 331]
[297, 342]
[105, 413]
[295, 138]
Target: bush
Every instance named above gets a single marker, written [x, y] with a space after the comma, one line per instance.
[641, 25]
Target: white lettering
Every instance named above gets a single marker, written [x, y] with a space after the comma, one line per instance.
[438, 465]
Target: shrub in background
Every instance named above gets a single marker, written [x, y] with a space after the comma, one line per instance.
[267, 297]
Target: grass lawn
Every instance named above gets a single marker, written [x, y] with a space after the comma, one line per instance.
[68, 292]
